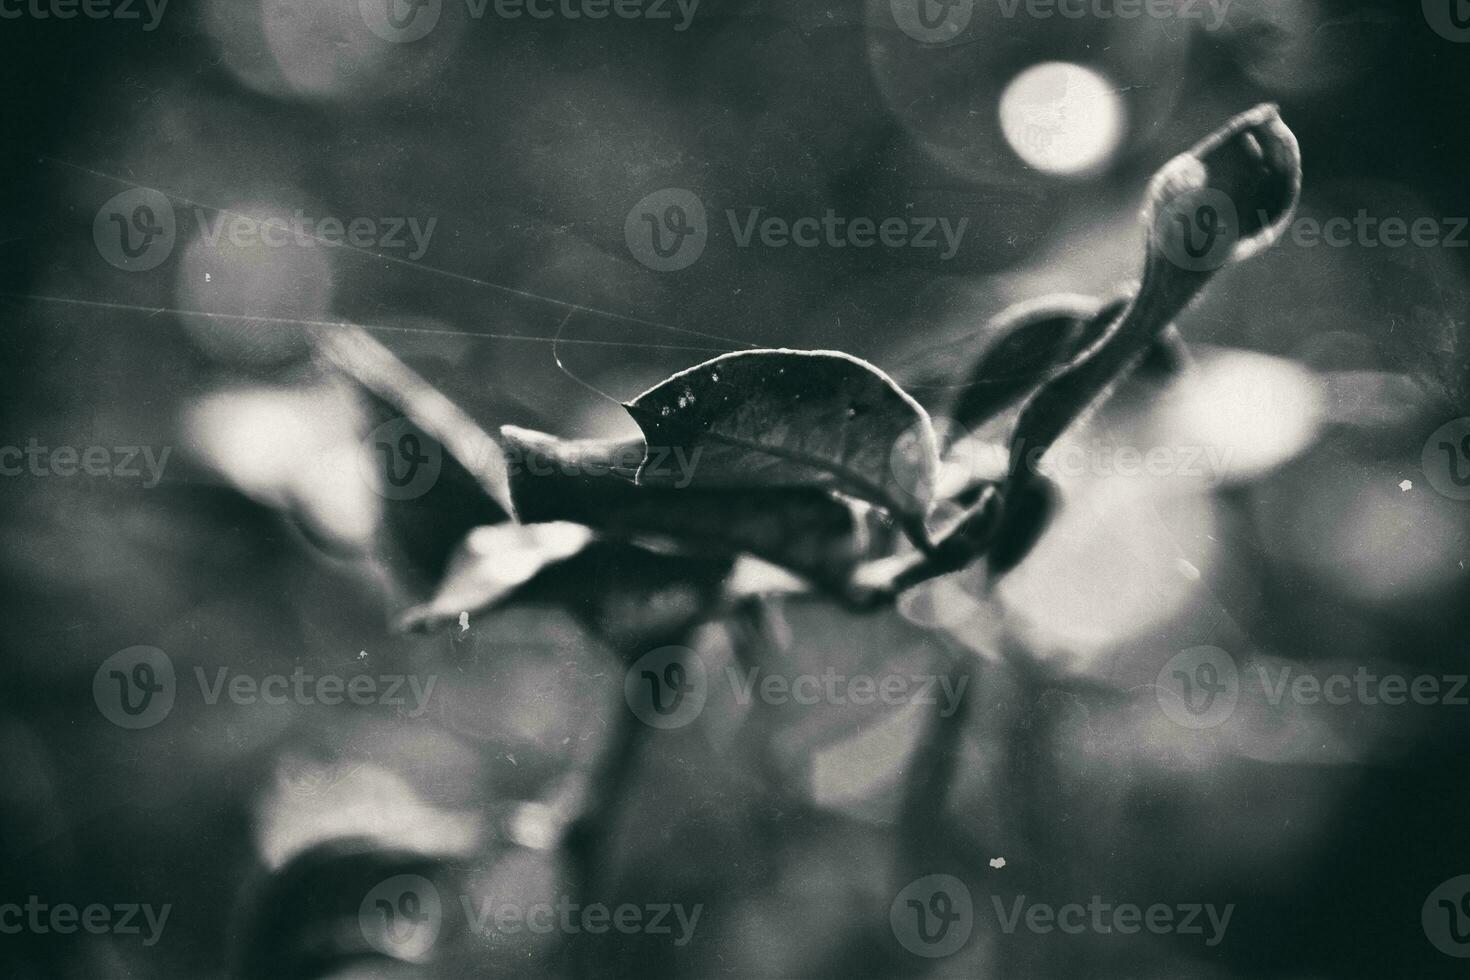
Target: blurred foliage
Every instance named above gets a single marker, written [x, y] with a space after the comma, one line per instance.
[1322, 370]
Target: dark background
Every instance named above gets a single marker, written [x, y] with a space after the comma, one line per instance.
[529, 143]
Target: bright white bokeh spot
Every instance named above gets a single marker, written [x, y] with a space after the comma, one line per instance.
[325, 49]
[1105, 570]
[535, 825]
[1062, 118]
[290, 448]
[862, 765]
[1246, 412]
[311, 803]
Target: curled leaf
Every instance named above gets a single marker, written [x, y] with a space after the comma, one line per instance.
[1032, 341]
[1227, 199]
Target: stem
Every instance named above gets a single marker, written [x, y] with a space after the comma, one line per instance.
[922, 814]
[588, 838]
[877, 584]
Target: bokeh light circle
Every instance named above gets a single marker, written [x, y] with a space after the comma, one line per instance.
[1062, 118]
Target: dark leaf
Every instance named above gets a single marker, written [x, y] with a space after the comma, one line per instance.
[374, 367]
[791, 418]
[1029, 509]
[1032, 342]
[422, 527]
[438, 473]
[804, 529]
[640, 599]
[306, 920]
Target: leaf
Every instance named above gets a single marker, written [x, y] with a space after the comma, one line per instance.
[490, 565]
[1033, 341]
[376, 368]
[463, 483]
[1251, 167]
[631, 596]
[305, 920]
[1227, 199]
[804, 529]
[1029, 510]
[420, 531]
[1028, 344]
[791, 418]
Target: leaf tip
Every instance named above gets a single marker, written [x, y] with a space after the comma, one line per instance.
[1228, 198]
